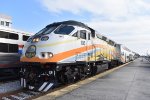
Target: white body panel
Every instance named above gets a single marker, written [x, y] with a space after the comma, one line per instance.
[7, 58]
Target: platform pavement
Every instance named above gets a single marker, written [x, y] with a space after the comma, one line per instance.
[131, 82]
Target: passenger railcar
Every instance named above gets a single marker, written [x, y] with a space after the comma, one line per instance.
[126, 54]
[65, 52]
[11, 44]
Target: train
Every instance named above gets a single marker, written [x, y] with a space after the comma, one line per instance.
[11, 44]
[65, 52]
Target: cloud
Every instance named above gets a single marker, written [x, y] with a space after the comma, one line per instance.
[133, 32]
[96, 7]
[125, 21]
[109, 8]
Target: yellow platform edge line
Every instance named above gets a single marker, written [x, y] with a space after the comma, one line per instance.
[58, 93]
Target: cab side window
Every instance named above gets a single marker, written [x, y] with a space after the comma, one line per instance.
[83, 34]
[89, 36]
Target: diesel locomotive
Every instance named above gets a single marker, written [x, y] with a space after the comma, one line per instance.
[65, 52]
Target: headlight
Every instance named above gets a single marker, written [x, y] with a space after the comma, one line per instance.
[44, 38]
[46, 55]
[50, 54]
[36, 39]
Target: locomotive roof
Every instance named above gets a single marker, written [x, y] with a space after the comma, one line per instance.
[72, 22]
[76, 23]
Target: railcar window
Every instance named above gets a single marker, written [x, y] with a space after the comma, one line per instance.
[8, 35]
[3, 34]
[25, 38]
[83, 34]
[64, 29]
[13, 36]
[8, 48]
[13, 48]
[3, 47]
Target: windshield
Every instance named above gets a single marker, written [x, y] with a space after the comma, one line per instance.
[46, 30]
[64, 29]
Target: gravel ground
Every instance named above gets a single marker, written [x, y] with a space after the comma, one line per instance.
[10, 86]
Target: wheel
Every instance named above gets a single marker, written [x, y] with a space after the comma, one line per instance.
[69, 75]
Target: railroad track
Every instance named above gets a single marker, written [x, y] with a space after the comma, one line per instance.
[21, 95]
[24, 94]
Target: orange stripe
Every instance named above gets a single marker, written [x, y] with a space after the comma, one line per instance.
[58, 57]
[63, 55]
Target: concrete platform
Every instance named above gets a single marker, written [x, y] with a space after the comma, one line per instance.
[131, 82]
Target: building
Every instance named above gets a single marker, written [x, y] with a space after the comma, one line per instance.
[5, 20]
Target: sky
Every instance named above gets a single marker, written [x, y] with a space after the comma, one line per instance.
[124, 21]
